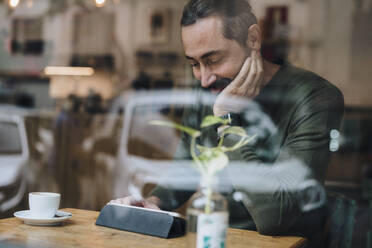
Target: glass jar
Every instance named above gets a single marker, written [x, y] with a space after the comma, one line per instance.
[207, 216]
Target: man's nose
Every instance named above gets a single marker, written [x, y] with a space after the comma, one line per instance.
[207, 78]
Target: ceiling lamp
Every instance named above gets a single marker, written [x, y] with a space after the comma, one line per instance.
[13, 3]
[68, 71]
[100, 3]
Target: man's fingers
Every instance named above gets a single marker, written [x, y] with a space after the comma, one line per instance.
[257, 57]
[260, 62]
[150, 205]
[121, 201]
[129, 201]
[249, 82]
[239, 80]
[259, 77]
[114, 202]
[137, 202]
[253, 83]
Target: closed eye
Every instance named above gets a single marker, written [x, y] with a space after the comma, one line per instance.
[212, 61]
[194, 64]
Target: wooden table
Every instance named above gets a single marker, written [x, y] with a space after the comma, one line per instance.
[80, 231]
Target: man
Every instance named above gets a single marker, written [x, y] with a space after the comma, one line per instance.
[222, 42]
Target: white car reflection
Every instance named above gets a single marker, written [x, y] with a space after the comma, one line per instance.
[14, 156]
[134, 171]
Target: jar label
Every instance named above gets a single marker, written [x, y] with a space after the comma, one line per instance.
[211, 230]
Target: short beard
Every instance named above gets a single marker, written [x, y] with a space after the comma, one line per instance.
[219, 84]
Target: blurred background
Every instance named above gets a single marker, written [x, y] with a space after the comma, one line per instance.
[65, 65]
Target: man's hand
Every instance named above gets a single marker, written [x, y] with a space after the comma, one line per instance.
[247, 84]
[151, 202]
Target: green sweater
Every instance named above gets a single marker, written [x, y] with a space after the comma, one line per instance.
[298, 109]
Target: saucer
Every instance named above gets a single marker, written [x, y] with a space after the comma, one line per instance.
[54, 221]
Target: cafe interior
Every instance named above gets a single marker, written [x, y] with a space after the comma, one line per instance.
[80, 81]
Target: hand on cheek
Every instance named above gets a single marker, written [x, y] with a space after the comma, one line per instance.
[247, 85]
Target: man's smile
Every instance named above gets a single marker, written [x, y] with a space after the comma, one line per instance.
[219, 85]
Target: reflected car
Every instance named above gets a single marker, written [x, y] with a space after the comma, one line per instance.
[140, 165]
[14, 157]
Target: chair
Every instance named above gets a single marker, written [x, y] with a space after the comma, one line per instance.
[340, 221]
[367, 194]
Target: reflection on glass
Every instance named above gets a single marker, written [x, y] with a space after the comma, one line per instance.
[274, 184]
[10, 142]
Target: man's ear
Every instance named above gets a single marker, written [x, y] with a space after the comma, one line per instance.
[254, 37]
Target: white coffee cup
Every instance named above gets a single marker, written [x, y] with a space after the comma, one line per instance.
[43, 205]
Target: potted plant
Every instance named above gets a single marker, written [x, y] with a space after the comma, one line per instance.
[207, 212]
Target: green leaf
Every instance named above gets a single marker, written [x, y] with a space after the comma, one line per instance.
[192, 132]
[248, 140]
[214, 160]
[211, 120]
[244, 141]
[234, 130]
[202, 148]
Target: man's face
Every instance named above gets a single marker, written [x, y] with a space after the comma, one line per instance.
[215, 60]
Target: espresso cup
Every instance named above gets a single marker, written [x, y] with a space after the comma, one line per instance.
[43, 205]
